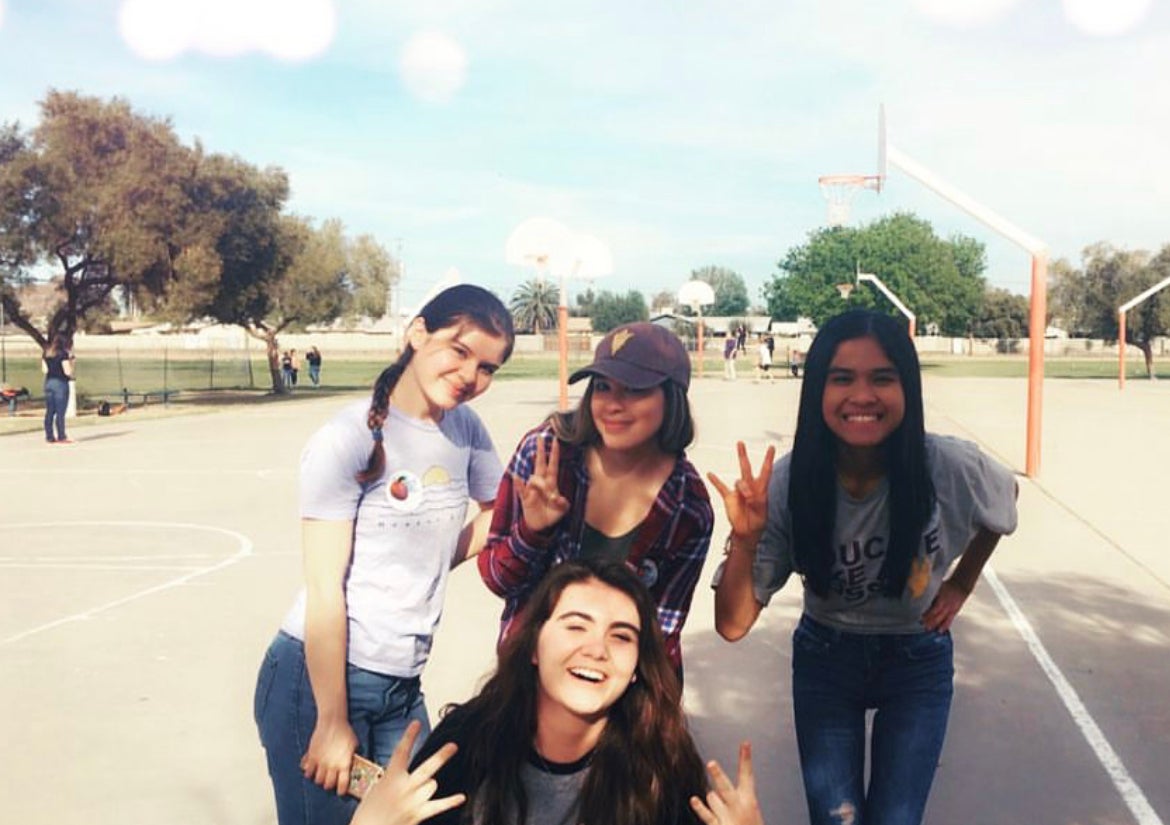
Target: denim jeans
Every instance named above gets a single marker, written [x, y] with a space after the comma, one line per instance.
[380, 708]
[908, 680]
[56, 402]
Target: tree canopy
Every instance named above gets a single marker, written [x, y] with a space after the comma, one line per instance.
[940, 280]
[534, 305]
[94, 196]
[1086, 299]
[101, 197]
[612, 310]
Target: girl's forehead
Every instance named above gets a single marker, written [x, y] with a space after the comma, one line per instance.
[866, 347]
[598, 599]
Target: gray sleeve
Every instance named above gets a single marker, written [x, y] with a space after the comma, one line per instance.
[980, 486]
[330, 462]
[773, 564]
[484, 468]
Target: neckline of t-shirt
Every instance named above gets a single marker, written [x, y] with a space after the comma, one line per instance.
[400, 416]
[558, 768]
[880, 488]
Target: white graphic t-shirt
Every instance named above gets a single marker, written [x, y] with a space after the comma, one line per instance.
[406, 524]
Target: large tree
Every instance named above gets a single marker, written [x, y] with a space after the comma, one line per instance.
[1085, 300]
[534, 305]
[612, 310]
[940, 280]
[93, 198]
[1002, 315]
[731, 296]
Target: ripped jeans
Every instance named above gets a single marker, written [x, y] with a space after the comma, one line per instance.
[908, 680]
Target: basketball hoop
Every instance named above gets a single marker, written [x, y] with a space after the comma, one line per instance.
[840, 190]
[844, 290]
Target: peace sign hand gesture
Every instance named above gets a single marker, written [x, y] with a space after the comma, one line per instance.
[747, 502]
[403, 797]
[541, 501]
[728, 804]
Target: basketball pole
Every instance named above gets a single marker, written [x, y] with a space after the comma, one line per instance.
[1037, 317]
[1122, 311]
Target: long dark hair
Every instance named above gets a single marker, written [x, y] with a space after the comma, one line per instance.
[463, 303]
[645, 767]
[578, 428]
[812, 487]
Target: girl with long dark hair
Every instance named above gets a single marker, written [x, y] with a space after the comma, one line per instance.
[57, 366]
[385, 487]
[889, 528]
[581, 723]
[609, 480]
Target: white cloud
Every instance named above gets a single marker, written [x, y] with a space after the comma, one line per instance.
[433, 66]
[1106, 19]
[285, 29]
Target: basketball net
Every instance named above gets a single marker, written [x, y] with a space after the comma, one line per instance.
[839, 192]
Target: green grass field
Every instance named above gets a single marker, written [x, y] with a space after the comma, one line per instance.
[103, 377]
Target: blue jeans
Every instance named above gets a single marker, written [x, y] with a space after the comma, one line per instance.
[56, 402]
[836, 677]
[380, 708]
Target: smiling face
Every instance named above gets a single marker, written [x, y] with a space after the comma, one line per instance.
[863, 401]
[626, 419]
[450, 366]
[586, 654]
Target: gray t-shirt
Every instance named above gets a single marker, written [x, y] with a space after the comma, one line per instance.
[406, 524]
[972, 491]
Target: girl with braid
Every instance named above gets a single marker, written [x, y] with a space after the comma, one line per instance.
[384, 495]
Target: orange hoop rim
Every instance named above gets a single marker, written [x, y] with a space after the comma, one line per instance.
[860, 181]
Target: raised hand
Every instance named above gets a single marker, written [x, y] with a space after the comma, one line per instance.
[729, 804]
[747, 502]
[540, 499]
[402, 796]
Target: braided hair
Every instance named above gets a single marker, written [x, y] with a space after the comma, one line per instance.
[463, 303]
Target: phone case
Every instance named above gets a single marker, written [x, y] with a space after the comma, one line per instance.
[362, 775]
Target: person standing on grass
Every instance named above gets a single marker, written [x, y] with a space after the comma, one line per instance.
[889, 528]
[313, 359]
[57, 366]
[385, 487]
[609, 480]
[729, 351]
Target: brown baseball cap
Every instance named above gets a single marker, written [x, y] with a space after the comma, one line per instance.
[640, 355]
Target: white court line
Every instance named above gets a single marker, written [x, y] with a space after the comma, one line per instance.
[245, 550]
[1132, 795]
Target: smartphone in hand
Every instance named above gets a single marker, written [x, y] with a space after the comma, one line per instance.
[362, 775]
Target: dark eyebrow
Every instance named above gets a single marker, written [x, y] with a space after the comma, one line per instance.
[580, 614]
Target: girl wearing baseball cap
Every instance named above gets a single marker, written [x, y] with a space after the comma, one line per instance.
[609, 481]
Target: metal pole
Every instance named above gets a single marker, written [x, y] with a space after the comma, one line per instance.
[563, 342]
[3, 347]
[1037, 324]
[1121, 349]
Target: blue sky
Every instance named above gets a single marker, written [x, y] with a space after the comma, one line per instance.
[682, 134]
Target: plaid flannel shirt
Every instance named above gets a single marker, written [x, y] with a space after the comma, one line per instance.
[668, 550]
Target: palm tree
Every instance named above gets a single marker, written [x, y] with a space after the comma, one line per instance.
[534, 305]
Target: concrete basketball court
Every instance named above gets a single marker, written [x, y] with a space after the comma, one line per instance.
[146, 567]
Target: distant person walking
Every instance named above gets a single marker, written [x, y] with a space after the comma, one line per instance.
[741, 339]
[295, 364]
[729, 350]
[313, 359]
[764, 359]
[57, 366]
[286, 369]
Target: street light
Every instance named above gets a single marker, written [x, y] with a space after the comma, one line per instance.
[876, 281]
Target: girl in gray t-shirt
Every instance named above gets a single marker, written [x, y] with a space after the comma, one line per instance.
[385, 489]
[889, 528]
